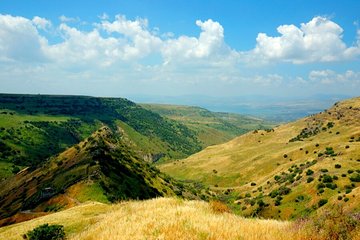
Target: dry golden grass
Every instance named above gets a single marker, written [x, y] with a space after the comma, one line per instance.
[168, 218]
[236, 161]
[75, 219]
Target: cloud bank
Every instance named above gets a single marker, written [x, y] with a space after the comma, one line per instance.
[121, 49]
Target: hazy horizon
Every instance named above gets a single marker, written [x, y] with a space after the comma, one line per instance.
[169, 49]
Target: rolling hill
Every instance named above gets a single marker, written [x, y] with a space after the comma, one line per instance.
[35, 127]
[286, 172]
[101, 168]
[210, 127]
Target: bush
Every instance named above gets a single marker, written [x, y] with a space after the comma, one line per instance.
[337, 166]
[309, 179]
[253, 184]
[355, 178]
[284, 190]
[309, 172]
[322, 202]
[350, 171]
[327, 179]
[47, 232]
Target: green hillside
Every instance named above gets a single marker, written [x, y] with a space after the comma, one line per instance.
[286, 172]
[34, 127]
[101, 168]
[210, 127]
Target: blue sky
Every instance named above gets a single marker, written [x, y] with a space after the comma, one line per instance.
[174, 48]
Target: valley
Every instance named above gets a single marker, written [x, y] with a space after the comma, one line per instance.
[65, 156]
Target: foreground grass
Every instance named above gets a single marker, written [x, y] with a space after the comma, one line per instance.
[162, 218]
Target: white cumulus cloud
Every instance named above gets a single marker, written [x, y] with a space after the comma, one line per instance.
[41, 23]
[319, 40]
[20, 40]
[140, 42]
[210, 43]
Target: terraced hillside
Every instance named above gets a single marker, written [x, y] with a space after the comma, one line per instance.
[288, 171]
[210, 127]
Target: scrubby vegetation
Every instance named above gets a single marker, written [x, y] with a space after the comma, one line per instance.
[46, 232]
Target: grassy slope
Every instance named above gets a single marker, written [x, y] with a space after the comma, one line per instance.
[101, 168]
[211, 127]
[162, 218]
[35, 127]
[257, 157]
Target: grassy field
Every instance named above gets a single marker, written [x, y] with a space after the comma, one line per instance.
[249, 168]
[162, 218]
[211, 127]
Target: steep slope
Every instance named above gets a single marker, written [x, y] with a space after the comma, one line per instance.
[289, 171]
[35, 127]
[210, 127]
[101, 168]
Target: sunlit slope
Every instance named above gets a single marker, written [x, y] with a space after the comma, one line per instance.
[259, 154]
[251, 167]
[162, 218]
[210, 127]
[101, 168]
[35, 127]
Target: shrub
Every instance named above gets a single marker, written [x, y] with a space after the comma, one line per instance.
[355, 178]
[322, 202]
[274, 193]
[324, 170]
[327, 179]
[284, 190]
[47, 232]
[15, 169]
[346, 199]
[332, 186]
[309, 172]
[309, 179]
[285, 155]
[277, 178]
[300, 198]
[278, 201]
[339, 198]
[253, 184]
[350, 171]
[337, 166]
